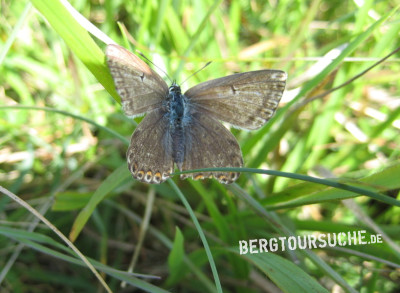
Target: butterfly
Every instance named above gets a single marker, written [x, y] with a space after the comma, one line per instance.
[185, 129]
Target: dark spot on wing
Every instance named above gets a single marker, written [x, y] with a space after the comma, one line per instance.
[234, 91]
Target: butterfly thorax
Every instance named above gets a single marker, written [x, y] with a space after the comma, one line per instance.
[176, 106]
[176, 103]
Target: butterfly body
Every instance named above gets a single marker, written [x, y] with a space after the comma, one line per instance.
[179, 118]
[185, 129]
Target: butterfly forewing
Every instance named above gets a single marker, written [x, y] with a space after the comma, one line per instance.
[141, 89]
[209, 144]
[245, 100]
[150, 152]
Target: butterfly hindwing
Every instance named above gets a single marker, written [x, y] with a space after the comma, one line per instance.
[150, 152]
[141, 89]
[245, 100]
[209, 144]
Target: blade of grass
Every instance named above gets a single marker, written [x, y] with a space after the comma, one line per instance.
[78, 40]
[281, 229]
[307, 193]
[129, 278]
[143, 230]
[13, 35]
[223, 226]
[59, 234]
[108, 185]
[196, 36]
[201, 234]
[167, 243]
[351, 188]
[272, 137]
[280, 270]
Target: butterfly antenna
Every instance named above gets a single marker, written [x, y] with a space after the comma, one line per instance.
[148, 60]
[208, 63]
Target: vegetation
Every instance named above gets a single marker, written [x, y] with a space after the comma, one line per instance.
[328, 162]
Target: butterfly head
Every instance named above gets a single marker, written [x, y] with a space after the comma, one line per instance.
[174, 88]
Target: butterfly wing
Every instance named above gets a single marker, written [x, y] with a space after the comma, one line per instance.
[150, 153]
[141, 89]
[245, 100]
[209, 144]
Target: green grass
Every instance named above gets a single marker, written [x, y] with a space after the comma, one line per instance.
[325, 165]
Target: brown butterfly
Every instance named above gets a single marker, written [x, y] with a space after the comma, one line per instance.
[184, 129]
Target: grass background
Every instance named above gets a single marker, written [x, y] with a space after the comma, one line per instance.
[63, 142]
